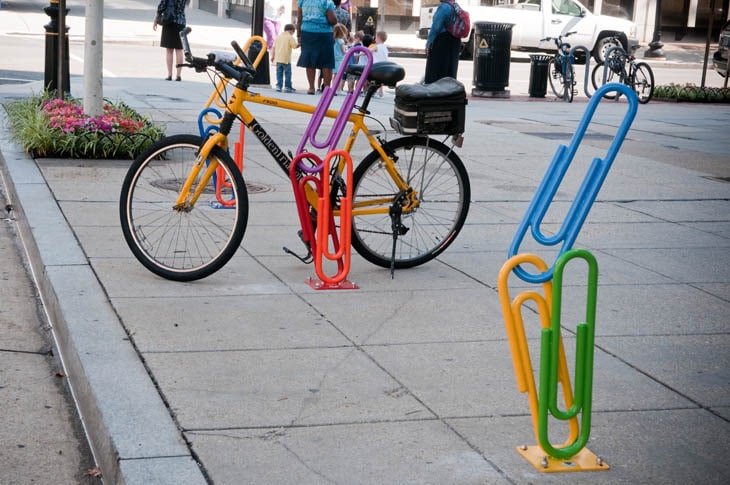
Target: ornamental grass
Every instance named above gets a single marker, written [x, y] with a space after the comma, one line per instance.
[59, 128]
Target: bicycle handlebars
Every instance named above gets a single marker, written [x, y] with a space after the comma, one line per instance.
[559, 37]
[220, 61]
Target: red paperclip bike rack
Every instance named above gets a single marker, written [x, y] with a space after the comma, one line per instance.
[325, 234]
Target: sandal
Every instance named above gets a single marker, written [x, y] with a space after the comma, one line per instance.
[310, 91]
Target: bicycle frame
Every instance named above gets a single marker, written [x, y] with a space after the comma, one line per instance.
[623, 58]
[236, 108]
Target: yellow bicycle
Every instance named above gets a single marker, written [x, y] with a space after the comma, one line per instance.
[410, 195]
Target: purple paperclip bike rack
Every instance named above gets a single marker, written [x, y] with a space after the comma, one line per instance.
[310, 134]
[586, 194]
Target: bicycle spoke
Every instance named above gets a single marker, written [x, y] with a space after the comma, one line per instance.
[181, 244]
[435, 205]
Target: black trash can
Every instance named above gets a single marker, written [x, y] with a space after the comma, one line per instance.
[492, 43]
[367, 20]
[538, 75]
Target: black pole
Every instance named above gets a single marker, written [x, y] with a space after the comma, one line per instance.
[63, 85]
[655, 49]
[707, 42]
[257, 28]
[55, 67]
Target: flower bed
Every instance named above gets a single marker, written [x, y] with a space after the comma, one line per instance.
[49, 127]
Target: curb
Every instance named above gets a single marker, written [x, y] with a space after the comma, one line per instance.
[130, 430]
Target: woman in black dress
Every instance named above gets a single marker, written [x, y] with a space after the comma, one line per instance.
[170, 37]
[442, 48]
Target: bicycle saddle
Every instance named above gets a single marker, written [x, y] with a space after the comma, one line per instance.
[386, 73]
[444, 88]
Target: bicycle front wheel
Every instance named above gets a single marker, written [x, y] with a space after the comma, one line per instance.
[555, 76]
[439, 192]
[182, 243]
[643, 82]
[597, 78]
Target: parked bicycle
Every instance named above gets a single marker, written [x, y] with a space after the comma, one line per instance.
[561, 73]
[622, 67]
[410, 195]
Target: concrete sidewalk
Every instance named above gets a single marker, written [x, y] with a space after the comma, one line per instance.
[252, 376]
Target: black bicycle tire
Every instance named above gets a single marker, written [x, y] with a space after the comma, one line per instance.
[598, 74]
[553, 73]
[134, 240]
[569, 85]
[363, 240]
[639, 67]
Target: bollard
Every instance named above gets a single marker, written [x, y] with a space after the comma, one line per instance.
[257, 29]
[53, 65]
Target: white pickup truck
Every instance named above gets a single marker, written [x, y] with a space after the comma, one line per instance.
[536, 19]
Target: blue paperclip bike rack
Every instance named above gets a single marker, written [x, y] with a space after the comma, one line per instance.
[205, 131]
[211, 128]
[586, 194]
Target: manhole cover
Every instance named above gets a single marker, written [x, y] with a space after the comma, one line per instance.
[256, 188]
[175, 184]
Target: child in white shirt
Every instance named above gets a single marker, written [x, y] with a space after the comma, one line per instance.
[380, 53]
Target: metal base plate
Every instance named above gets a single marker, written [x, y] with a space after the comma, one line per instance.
[321, 285]
[490, 94]
[584, 461]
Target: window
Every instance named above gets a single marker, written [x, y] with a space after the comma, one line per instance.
[566, 7]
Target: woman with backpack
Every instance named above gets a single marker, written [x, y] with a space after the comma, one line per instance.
[442, 48]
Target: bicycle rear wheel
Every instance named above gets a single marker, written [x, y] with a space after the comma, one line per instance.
[440, 185]
[182, 244]
[569, 85]
[643, 82]
[555, 76]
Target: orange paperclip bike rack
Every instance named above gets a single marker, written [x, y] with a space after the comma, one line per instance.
[326, 233]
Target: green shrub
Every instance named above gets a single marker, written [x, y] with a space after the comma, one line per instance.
[691, 93]
[49, 127]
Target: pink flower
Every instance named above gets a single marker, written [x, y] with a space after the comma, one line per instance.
[69, 117]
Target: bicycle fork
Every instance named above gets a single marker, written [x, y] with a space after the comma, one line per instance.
[188, 197]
